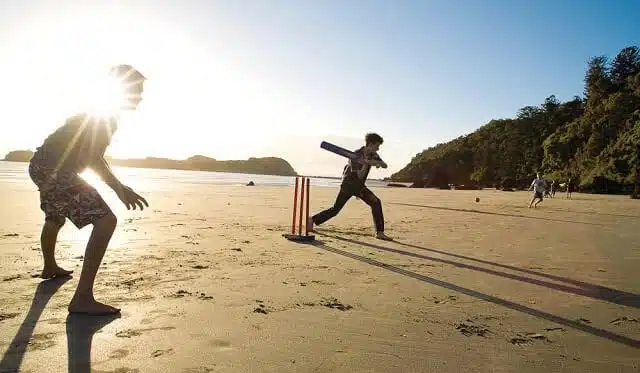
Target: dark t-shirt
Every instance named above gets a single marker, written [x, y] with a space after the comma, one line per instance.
[75, 144]
[355, 172]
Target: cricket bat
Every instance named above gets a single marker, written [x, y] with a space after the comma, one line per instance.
[337, 150]
[347, 153]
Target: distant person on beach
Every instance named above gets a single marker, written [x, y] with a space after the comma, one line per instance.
[77, 145]
[354, 176]
[549, 188]
[570, 188]
[538, 186]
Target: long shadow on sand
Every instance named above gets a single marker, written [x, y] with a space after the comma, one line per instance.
[14, 355]
[582, 288]
[489, 298]
[80, 331]
[472, 211]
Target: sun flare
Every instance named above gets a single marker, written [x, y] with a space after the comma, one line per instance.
[197, 95]
[104, 96]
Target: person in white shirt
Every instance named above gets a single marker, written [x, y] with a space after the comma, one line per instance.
[538, 186]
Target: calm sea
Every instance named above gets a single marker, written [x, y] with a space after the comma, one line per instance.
[16, 172]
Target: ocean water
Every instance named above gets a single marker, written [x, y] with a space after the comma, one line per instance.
[17, 173]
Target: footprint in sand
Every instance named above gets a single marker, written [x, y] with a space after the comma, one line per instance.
[261, 308]
[204, 296]
[131, 282]
[7, 316]
[132, 299]
[128, 333]
[221, 344]
[623, 320]
[518, 341]
[159, 315]
[198, 370]
[335, 304]
[557, 329]
[56, 321]
[158, 353]
[41, 341]
[118, 354]
[11, 278]
[472, 329]
[117, 370]
[179, 294]
[528, 338]
[448, 299]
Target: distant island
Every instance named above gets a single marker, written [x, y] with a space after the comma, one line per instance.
[259, 166]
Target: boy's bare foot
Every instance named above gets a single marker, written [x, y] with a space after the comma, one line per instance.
[382, 236]
[91, 307]
[48, 273]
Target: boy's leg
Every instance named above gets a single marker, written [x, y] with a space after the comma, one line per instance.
[376, 211]
[48, 240]
[50, 193]
[83, 300]
[532, 199]
[81, 203]
[323, 216]
[539, 196]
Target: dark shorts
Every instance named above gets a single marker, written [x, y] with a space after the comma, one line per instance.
[538, 195]
[67, 195]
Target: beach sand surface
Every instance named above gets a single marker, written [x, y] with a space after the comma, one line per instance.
[207, 283]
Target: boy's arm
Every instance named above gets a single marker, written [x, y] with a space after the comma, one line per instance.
[130, 198]
[101, 167]
[376, 161]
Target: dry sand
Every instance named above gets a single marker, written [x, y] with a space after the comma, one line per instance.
[207, 284]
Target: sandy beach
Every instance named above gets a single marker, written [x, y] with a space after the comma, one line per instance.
[207, 283]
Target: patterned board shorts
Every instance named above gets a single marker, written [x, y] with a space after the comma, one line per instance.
[67, 195]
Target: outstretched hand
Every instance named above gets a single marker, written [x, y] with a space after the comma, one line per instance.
[374, 162]
[378, 163]
[131, 199]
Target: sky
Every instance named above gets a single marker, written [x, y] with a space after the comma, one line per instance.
[236, 79]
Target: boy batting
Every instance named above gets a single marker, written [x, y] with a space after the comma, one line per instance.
[354, 177]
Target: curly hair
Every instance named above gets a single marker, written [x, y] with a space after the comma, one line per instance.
[373, 138]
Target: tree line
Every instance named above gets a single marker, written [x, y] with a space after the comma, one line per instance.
[594, 139]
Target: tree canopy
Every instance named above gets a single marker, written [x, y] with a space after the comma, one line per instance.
[592, 139]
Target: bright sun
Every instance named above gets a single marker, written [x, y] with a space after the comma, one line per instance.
[193, 90]
[104, 95]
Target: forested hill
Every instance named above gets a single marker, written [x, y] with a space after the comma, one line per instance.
[593, 139]
[259, 166]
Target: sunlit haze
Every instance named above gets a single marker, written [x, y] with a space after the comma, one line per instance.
[235, 79]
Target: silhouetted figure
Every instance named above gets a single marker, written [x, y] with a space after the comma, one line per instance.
[570, 187]
[55, 167]
[636, 191]
[354, 177]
